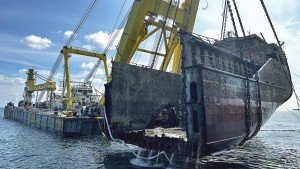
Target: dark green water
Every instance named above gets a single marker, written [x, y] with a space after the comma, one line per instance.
[22, 146]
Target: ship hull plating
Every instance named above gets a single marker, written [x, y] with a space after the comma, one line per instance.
[223, 103]
[227, 96]
[222, 99]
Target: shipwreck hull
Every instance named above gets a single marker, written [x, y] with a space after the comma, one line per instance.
[221, 98]
[216, 118]
[135, 93]
[227, 98]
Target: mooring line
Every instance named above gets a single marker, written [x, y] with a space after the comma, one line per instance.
[127, 147]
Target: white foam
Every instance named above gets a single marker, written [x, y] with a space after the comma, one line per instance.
[144, 163]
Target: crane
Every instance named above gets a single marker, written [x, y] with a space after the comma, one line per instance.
[111, 41]
[32, 87]
[66, 51]
[70, 39]
[141, 16]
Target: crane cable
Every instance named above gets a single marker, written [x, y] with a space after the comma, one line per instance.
[175, 16]
[295, 74]
[173, 25]
[122, 24]
[112, 39]
[41, 77]
[152, 59]
[271, 24]
[223, 29]
[278, 42]
[137, 57]
[291, 112]
[239, 18]
[60, 56]
[157, 7]
[72, 36]
[115, 35]
[160, 37]
[232, 19]
[81, 22]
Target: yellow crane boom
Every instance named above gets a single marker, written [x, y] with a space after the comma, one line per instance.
[69, 50]
[142, 16]
[32, 87]
[136, 30]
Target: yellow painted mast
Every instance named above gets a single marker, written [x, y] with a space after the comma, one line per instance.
[141, 16]
[32, 87]
[69, 50]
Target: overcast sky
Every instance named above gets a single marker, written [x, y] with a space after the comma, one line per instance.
[32, 33]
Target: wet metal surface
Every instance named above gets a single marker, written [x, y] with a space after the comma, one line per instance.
[226, 96]
[136, 93]
[166, 132]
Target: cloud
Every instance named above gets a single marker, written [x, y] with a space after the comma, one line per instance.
[298, 32]
[11, 80]
[88, 47]
[11, 92]
[87, 68]
[211, 33]
[101, 38]
[22, 71]
[89, 65]
[41, 72]
[37, 42]
[68, 34]
[10, 60]
[28, 51]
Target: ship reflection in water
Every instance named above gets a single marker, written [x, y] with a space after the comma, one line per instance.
[21, 146]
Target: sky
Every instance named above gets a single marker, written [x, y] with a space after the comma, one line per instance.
[33, 32]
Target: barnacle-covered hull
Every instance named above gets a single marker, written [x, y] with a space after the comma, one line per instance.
[217, 117]
[229, 94]
[226, 92]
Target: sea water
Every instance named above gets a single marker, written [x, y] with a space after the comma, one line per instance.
[277, 145]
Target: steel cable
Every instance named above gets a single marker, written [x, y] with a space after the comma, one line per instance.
[162, 31]
[60, 56]
[127, 147]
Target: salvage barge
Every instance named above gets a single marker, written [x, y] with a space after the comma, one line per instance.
[225, 94]
[53, 121]
[52, 115]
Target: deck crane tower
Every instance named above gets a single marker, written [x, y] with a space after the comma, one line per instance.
[142, 15]
[69, 50]
[49, 85]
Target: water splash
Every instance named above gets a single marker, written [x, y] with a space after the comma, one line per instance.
[144, 163]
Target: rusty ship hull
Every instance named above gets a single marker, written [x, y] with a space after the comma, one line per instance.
[218, 119]
[223, 97]
[228, 95]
